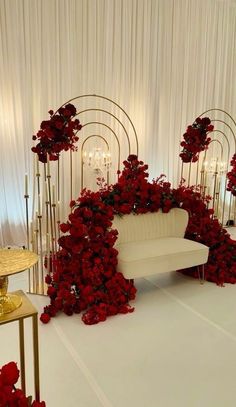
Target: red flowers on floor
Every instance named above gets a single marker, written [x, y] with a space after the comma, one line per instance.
[10, 396]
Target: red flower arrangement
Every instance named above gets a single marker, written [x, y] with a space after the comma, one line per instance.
[10, 396]
[231, 186]
[57, 134]
[195, 139]
[85, 277]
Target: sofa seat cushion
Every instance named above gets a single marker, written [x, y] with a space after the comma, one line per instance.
[143, 258]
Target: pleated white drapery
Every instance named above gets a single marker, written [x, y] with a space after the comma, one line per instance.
[163, 61]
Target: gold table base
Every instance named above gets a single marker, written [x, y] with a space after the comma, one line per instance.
[9, 303]
[20, 314]
[12, 262]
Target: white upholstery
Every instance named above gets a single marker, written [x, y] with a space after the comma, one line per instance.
[151, 225]
[154, 243]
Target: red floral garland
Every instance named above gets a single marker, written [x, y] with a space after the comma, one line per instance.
[57, 134]
[85, 277]
[231, 186]
[195, 139]
[9, 394]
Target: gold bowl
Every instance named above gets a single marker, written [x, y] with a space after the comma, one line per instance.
[12, 261]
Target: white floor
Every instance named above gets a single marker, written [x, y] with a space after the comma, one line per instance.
[178, 349]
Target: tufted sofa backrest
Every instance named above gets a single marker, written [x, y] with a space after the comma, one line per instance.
[151, 225]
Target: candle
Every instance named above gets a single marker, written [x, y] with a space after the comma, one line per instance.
[26, 184]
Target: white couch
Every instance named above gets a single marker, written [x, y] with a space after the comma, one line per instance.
[153, 243]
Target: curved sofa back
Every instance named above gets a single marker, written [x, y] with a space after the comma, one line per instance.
[151, 225]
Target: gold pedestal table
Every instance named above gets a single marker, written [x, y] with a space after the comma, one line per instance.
[16, 306]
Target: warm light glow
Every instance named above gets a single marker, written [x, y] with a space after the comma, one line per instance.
[214, 165]
[97, 159]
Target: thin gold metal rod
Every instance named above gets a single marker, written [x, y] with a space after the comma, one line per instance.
[58, 179]
[41, 251]
[32, 248]
[219, 110]
[36, 357]
[230, 205]
[50, 208]
[217, 204]
[22, 354]
[55, 226]
[71, 176]
[108, 127]
[114, 103]
[47, 238]
[229, 127]
[182, 169]
[48, 253]
[227, 114]
[27, 232]
[44, 172]
[82, 169]
[228, 153]
[203, 172]
[27, 218]
[203, 273]
[189, 173]
[110, 114]
[197, 171]
[214, 187]
[37, 251]
[234, 210]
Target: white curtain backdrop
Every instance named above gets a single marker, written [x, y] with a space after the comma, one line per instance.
[163, 61]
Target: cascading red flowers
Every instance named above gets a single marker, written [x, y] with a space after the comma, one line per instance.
[231, 176]
[195, 139]
[203, 228]
[85, 277]
[11, 396]
[57, 134]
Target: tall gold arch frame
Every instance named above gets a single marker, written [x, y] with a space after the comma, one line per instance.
[48, 201]
[224, 137]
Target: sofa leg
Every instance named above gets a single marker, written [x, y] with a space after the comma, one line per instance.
[201, 273]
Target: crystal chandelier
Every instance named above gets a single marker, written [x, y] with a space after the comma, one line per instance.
[96, 159]
[215, 166]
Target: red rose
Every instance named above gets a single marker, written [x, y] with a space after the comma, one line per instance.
[10, 373]
[72, 203]
[48, 279]
[3, 398]
[64, 227]
[45, 318]
[52, 292]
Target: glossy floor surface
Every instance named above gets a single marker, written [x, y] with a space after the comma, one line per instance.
[178, 349]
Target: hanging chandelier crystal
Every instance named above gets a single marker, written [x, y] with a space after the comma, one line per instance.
[97, 159]
[215, 166]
